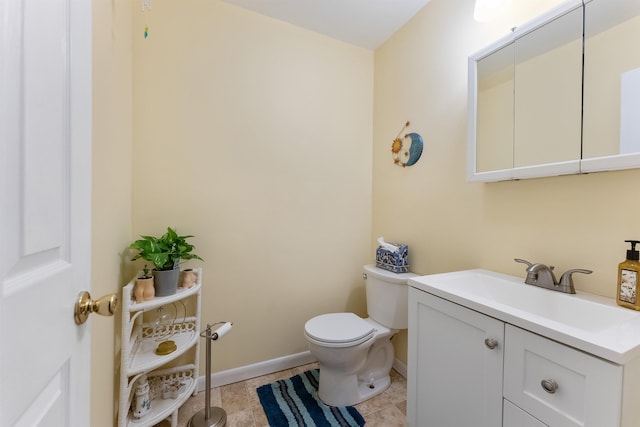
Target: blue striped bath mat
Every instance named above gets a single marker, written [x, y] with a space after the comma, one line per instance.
[294, 403]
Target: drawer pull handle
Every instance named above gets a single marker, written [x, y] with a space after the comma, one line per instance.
[490, 343]
[550, 386]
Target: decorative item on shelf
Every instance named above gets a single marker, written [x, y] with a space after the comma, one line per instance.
[188, 278]
[164, 327]
[165, 252]
[170, 383]
[172, 388]
[166, 347]
[142, 400]
[144, 290]
[406, 151]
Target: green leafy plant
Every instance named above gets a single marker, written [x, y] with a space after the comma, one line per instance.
[145, 272]
[165, 252]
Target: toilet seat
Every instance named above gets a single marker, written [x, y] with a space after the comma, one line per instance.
[339, 330]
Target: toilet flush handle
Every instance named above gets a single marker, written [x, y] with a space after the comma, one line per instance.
[364, 276]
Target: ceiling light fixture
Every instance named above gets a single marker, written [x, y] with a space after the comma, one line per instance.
[485, 10]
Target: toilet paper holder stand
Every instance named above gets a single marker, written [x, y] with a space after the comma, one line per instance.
[210, 416]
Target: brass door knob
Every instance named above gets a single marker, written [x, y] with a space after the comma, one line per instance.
[104, 306]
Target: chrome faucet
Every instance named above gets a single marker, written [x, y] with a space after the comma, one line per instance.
[542, 276]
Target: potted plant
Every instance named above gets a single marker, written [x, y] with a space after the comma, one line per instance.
[144, 290]
[165, 252]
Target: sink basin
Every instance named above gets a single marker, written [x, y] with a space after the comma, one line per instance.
[580, 312]
[589, 322]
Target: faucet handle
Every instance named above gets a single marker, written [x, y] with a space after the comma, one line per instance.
[566, 281]
[524, 261]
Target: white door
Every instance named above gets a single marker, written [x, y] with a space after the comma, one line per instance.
[45, 195]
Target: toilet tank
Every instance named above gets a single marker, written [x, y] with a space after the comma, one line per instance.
[387, 296]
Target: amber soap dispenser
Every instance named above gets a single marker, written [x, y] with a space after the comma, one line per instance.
[628, 276]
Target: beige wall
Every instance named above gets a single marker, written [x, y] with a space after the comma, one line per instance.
[111, 205]
[261, 135]
[255, 136]
[449, 224]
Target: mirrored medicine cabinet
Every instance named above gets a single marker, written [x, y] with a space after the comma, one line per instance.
[559, 95]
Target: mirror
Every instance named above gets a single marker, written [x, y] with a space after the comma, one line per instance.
[566, 116]
[548, 93]
[494, 135]
[611, 120]
[525, 96]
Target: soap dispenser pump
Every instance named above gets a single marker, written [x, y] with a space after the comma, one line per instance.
[628, 276]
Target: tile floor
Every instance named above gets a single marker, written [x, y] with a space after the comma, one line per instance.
[243, 408]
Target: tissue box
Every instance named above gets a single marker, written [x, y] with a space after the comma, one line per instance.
[397, 261]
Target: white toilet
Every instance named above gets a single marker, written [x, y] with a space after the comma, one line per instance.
[356, 354]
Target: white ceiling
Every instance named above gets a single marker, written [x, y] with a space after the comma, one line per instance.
[364, 23]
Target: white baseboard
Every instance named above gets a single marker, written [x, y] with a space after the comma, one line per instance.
[256, 370]
[400, 367]
[243, 373]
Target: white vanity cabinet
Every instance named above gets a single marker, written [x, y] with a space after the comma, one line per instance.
[476, 367]
[171, 377]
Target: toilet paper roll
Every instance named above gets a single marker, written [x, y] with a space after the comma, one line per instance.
[221, 331]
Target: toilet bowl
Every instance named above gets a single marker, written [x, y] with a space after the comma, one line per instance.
[355, 354]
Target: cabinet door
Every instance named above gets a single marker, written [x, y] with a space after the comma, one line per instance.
[454, 377]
